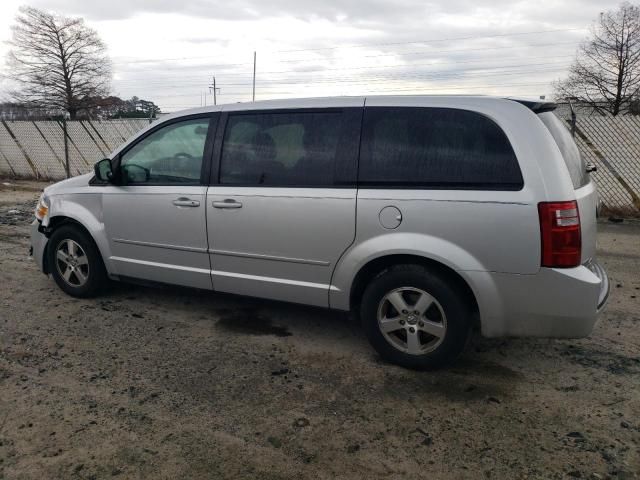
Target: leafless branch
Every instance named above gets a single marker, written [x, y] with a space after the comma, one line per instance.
[606, 73]
[57, 62]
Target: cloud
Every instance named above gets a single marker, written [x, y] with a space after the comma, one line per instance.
[168, 51]
[236, 10]
[355, 11]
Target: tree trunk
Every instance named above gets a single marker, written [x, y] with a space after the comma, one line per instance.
[616, 108]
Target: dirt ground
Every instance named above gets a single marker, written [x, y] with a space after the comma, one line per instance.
[167, 383]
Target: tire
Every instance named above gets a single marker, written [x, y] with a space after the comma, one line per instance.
[81, 274]
[433, 328]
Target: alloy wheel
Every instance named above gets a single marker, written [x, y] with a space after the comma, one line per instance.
[412, 320]
[72, 263]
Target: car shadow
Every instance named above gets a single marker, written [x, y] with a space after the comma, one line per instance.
[483, 372]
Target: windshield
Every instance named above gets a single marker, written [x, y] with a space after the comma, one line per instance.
[572, 158]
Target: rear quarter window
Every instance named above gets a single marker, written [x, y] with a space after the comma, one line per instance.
[570, 153]
[440, 148]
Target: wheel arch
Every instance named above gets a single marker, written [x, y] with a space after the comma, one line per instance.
[59, 221]
[378, 265]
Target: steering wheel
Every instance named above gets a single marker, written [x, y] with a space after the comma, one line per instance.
[135, 173]
[184, 155]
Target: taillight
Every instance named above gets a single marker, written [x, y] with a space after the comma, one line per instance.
[560, 232]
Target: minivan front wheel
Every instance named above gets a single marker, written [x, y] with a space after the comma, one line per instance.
[75, 262]
[414, 317]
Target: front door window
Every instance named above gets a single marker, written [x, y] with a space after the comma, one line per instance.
[171, 155]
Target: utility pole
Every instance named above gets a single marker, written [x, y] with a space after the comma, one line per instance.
[215, 90]
[253, 97]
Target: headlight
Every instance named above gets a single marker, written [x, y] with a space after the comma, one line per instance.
[42, 209]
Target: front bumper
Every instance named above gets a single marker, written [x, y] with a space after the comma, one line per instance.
[38, 245]
[554, 303]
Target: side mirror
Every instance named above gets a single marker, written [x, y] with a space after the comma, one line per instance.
[103, 171]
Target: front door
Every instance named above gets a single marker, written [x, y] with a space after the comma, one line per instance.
[155, 220]
[283, 208]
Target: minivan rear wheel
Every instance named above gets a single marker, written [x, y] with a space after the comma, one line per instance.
[415, 318]
[75, 262]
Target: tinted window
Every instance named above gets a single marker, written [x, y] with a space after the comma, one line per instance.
[437, 148]
[570, 153]
[172, 154]
[294, 149]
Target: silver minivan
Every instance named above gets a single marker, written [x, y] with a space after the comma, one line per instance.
[428, 216]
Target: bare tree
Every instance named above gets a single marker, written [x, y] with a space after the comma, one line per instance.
[57, 62]
[606, 73]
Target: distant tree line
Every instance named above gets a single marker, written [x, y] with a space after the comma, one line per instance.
[102, 108]
[115, 107]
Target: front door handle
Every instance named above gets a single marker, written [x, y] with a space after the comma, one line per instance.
[227, 203]
[186, 202]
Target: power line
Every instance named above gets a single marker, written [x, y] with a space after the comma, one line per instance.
[522, 68]
[390, 91]
[430, 89]
[415, 42]
[296, 60]
[363, 75]
[369, 67]
[438, 40]
[310, 71]
[199, 78]
[355, 82]
[433, 52]
[390, 88]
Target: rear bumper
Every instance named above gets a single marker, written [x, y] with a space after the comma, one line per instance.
[557, 303]
[605, 287]
[38, 245]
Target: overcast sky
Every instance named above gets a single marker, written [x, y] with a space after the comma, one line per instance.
[167, 50]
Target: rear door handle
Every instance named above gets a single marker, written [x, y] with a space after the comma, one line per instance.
[186, 202]
[227, 203]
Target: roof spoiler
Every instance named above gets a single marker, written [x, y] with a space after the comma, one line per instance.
[536, 107]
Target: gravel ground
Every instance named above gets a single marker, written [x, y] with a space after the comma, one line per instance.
[174, 383]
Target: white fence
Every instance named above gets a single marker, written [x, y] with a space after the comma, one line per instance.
[35, 149]
[612, 144]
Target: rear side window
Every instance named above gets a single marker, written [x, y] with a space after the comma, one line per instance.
[436, 148]
[287, 149]
[570, 153]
